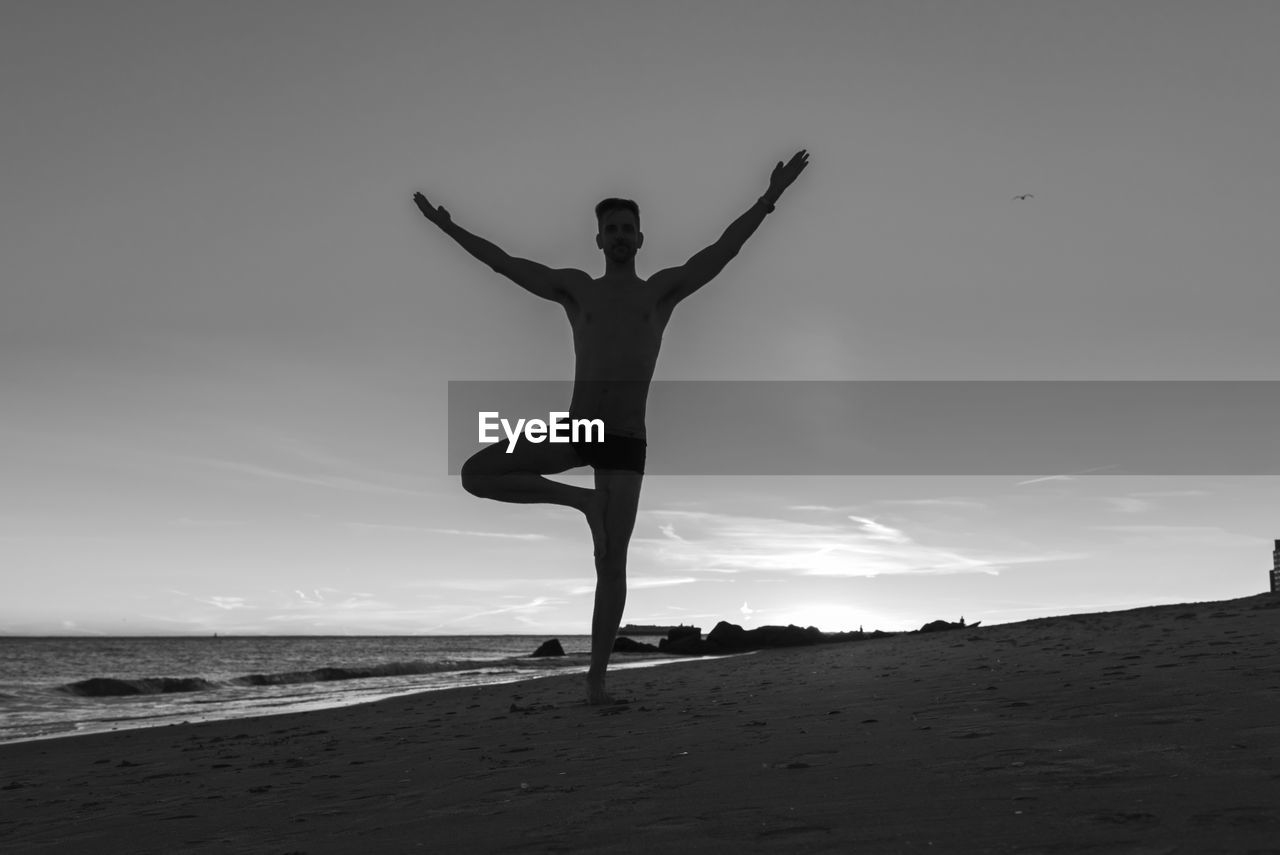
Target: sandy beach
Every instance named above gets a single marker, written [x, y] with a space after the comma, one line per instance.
[1149, 730]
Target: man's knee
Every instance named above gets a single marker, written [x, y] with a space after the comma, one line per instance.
[476, 477]
[611, 572]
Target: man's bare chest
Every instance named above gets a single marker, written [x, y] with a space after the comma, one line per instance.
[626, 313]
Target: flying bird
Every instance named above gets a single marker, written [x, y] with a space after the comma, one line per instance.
[1026, 196]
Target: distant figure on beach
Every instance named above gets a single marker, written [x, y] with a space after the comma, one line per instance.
[617, 323]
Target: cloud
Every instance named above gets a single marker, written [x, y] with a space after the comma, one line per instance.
[316, 599]
[877, 531]
[854, 546]
[227, 603]
[497, 534]
[669, 531]
[936, 503]
[939, 502]
[366, 617]
[1136, 502]
[639, 584]
[393, 528]
[533, 606]
[660, 582]
[1183, 535]
[1069, 476]
[334, 482]
[501, 584]
[1127, 504]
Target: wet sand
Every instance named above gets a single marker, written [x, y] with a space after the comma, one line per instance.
[1150, 730]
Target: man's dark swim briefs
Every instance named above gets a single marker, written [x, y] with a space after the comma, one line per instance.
[616, 452]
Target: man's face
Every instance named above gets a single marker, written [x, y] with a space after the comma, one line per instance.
[618, 235]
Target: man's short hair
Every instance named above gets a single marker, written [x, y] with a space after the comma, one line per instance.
[613, 204]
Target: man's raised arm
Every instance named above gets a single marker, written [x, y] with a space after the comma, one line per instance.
[533, 277]
[680, 282]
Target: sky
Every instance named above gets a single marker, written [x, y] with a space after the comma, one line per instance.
[226, 333]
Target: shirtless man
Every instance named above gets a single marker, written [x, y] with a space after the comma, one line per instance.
[617, 323]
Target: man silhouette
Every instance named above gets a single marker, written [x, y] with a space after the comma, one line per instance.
[617, 323]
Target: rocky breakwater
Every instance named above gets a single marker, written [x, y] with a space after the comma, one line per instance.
[728, 637]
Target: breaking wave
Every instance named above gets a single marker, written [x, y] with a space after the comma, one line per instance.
[102, 687]
[105, 687]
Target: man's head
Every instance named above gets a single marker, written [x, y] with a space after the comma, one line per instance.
[618, 228]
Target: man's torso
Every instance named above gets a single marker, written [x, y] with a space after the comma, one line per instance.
[617, 333]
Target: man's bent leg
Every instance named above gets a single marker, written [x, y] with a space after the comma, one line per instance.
[622, 490]
[492, 473]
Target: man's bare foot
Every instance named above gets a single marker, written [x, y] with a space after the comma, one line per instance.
[596, 695]
[595, 512]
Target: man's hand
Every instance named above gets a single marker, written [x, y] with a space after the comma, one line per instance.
[434, 213]
[783, 175]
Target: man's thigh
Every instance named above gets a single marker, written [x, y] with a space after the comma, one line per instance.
[541, 458]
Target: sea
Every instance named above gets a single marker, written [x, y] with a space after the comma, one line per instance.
[59, 687]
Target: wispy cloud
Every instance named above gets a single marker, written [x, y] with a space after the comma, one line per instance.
[937, 502]
[640, 584]
[1127, 504]
[879, 531]
[954, 502]
[327, 600]
[225, 602]
[669, 531]
[660, 582]
[273, 603]
[852, 546]
[394, 528]
[1183, 535]
[326, 480]
[1138, 501]
[537, 604]
[497, 534]
[488, 585]
[1069, 476]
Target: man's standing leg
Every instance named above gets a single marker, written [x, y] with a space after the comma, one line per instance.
[622, 491]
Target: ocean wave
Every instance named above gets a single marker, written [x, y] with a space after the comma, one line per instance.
[324, 675]
[101, 687]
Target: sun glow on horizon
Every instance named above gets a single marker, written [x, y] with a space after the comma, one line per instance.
[831, 617]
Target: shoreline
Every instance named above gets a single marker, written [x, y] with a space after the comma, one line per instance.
[161, 721]
[1150, 728]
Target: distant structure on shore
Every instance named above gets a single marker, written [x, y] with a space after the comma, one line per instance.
[655, 629]
[1275, 569]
